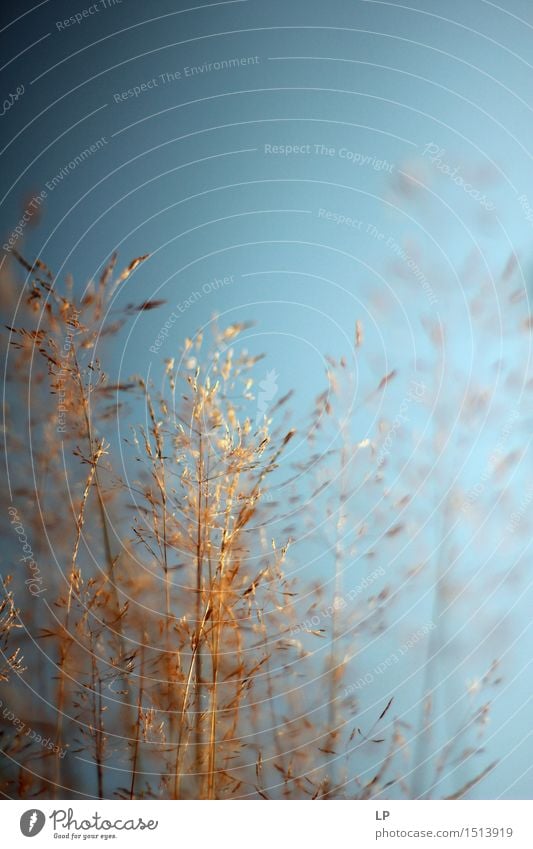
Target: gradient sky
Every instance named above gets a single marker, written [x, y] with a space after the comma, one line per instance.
[379, 102]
